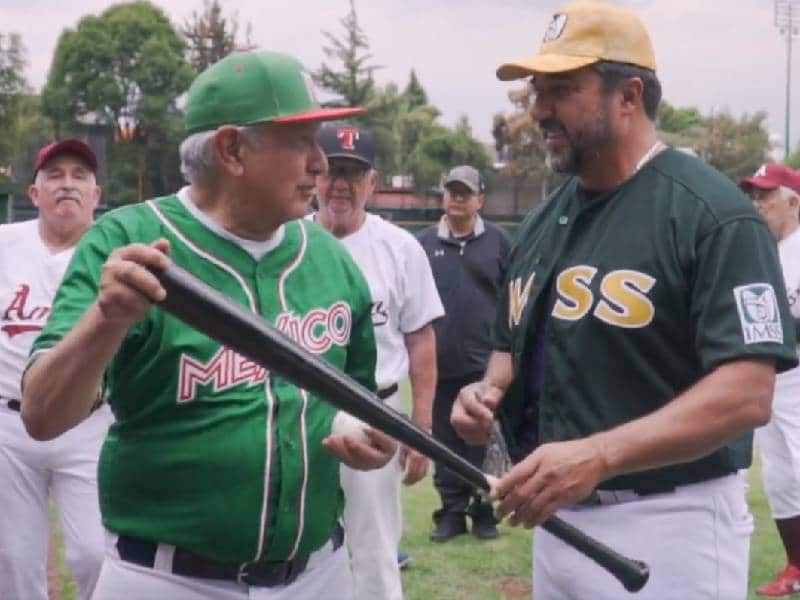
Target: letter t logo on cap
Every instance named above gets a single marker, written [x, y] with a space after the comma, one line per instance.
[348, 136]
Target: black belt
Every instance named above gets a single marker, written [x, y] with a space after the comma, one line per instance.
[187, 563]
[601, 497]
[388, 391]
[16, 405]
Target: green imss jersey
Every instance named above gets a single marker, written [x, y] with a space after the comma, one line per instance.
[209, 452]
[615, 303]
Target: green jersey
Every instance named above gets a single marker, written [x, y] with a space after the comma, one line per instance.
[209, 452]
[615, 303]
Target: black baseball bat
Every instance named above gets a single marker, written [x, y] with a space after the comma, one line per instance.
[197, 304]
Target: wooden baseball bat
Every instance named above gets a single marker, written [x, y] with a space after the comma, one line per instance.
[231, 324]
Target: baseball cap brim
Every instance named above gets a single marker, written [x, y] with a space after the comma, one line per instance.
[469, 184]
[544, 63]
[762, 183]
[360, 159]
[320, 114]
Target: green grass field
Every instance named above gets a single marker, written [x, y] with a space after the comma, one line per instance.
[468, 569]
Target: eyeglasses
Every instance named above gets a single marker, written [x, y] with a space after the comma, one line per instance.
[348, 172]
[464, 193]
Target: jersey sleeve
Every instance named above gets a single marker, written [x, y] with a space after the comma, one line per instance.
[738, 306]
[421, 301]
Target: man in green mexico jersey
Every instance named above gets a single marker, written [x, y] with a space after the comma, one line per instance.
[218, 479]
[643, 320]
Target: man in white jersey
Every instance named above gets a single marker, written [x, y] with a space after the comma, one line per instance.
[33, 257]
[404, 304]
[775, 191]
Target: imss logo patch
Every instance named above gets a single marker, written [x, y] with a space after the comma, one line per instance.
[758, 313]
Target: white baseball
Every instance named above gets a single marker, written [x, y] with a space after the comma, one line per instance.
[493, 481]
[346, 424]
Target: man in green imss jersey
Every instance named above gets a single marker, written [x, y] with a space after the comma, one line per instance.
[643, 321]
[218, 479]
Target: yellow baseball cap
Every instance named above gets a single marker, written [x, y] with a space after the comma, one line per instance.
[583, 33]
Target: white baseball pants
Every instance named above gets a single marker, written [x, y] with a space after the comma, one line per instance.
[695, 539]
[327, 575]
[779, 445]
[373, 523]
[29, 472]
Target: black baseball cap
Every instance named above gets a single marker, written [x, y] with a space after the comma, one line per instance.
[347, 141]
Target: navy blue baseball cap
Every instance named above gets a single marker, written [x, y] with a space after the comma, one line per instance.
[347, 141]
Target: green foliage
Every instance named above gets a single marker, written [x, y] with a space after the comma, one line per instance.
[125, 67]
[675, 119]
[20, 120]
[414, 93]
[126, 63]
[353, 80]
[12, 77]
[439, 149]
[737, 147]
[210, 36]
[409, 140]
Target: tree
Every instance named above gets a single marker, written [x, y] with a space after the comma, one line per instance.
[524, 148]
[439, 149]
[353, 80]
[13, 90]
[210, 36]
[397, 126]
[737, 147]
[409, 141]
[414, 93]
[675, 119]
[123, 70]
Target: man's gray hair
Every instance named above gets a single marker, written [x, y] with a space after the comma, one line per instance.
[198, 161]
[787, 192]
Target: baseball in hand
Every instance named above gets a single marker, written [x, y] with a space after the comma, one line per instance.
[346, 424]
[493, 481]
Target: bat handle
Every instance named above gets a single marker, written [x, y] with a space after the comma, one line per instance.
[632, 574]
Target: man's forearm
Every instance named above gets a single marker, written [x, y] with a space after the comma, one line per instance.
[733, 398]
[499, 370]
[62, 384]
[421, 346]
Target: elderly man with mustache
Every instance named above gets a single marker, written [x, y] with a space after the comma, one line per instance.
[33, 257]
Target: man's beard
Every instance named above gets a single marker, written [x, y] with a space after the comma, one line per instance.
[581, 145]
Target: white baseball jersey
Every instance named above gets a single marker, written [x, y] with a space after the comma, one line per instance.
[29, 277]
[64, 469]
[779, 440]
[789, 253]
[404, 295]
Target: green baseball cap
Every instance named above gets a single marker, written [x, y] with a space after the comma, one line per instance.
[246, 88]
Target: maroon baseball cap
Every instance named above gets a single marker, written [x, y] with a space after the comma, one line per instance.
[771, 176]
[73, 146]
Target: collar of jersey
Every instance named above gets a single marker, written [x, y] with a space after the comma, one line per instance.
[207, 241]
